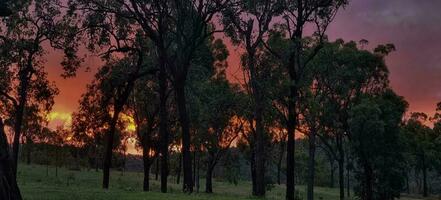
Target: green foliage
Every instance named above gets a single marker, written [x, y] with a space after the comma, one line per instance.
[378, 145]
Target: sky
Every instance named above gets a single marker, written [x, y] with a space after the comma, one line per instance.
[412, 25]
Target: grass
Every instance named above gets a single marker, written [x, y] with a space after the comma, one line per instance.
[36, 184]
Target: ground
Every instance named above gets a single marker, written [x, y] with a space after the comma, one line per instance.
[40, 183]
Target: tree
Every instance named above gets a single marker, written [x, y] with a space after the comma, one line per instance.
[247, 24]
[343, 73]
[221, 128]
[8, 184]
[145, 111]
[377, 145]
[298, 15]
[177, 28]
[422, 142]
[23, 36]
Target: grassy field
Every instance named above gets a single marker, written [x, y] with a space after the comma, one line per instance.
[35, 184]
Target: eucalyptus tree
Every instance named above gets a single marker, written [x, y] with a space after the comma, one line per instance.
[247, 24]
[297, 15]
[374, 123]
[113, 83]
[422, 146]
[177, 28]
[221, 128]
[32, 27]
[343, 73]
[143, 106]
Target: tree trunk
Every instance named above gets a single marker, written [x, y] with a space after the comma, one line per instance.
[311, 165]
[369, 184]
[425, 189]
[118, 106]
[178, 175]
[279, 162]
[197, 173]
[258, 112]
[183, 119]
[209, 179]
[194, 166]
[163, 115]
[19, 112]
[348, 182]
[8, 183]
[157, 169]
[146, 160]
[253, 172]
[96, 158]
[290, 150]
[341, 178]
[109, 149]
[407, 183]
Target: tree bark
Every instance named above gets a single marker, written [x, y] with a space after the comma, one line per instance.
[146, 160]
[258, 112]
[19, 112]
[183, 119]
[369, 184]
[253, 171]
[163, 132]
[341, 178]
[197, 174]
[209, 179]
[178, 175]
[348, 182]
[109, 149]
[8, 182]
[290, 150]
[279, 162]
[425, 189]
[118, 106]
[311, 165]
[157, 168]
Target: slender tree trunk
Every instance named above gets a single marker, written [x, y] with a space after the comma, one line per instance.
[197, 174]
[341, 178]
[96, 158]
[146, 160]
[163, 132]
[253, 170]
[108, 150]
[425, 189]
[348, 182]
[209, 179]
[258, 112]
[368, 195]
[118, 106]
[19, 112]
[194, 166]
[290, 150]
[279, 162]
[311, 165]
[178, 175]
[157, 169]
[407, 183]
[8, 183]
[183, 119]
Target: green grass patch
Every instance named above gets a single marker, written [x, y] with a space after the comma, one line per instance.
[39, 183]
